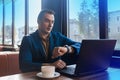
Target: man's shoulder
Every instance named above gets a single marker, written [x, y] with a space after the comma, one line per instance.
[27, 36]
[31, 35]
[56, 33]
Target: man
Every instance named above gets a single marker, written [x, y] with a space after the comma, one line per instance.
[45, 47]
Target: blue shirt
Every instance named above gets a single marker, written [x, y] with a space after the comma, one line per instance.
[32, 53]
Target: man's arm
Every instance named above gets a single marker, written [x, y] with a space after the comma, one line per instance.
[25, 57]
[69, 47]
[60, 51]
[69, 57]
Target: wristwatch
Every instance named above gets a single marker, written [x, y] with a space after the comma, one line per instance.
[68, 49]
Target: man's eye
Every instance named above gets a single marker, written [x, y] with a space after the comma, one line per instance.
[46, 20]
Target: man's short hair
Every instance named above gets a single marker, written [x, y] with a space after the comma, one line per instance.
[43, 12]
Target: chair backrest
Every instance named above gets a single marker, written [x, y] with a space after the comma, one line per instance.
[9, 63]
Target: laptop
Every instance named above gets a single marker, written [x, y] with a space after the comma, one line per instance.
[94, 57]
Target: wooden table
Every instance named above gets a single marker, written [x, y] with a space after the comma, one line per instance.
[110, 74]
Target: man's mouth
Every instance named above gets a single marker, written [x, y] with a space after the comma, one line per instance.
[48, 29]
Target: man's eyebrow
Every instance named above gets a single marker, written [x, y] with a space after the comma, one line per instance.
[48, 19]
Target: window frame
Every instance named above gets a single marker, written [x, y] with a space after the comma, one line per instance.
[13, 22]
[26, 25]
[61, 18]
[103, 22]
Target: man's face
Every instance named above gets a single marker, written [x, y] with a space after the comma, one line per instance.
[46, 24]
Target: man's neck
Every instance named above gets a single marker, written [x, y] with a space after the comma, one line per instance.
[43, 35]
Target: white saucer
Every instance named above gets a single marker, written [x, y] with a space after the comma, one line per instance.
[55, 75]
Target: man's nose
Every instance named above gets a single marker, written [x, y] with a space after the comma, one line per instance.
[50, 24]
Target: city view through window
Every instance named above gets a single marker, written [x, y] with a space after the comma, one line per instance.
[34, 7]
[114, 21]
[84, 20]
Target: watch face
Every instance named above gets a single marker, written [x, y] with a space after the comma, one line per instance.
[68, 49]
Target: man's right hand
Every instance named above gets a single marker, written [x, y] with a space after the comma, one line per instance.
[59, 64]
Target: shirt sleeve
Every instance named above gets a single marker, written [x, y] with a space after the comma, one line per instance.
[66, 41]
[70, 58]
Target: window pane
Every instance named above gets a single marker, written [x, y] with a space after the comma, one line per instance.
[83, 19]
[34, 9]
[19, 20]
[114, 21]
[1, 18]
[8, 22]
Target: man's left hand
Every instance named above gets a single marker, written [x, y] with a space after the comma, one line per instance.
[59, 51]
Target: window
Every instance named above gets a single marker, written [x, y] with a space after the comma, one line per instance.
[1, 20]
[83, 19]
[17, 15]
[118, 29]
[8, 23]
[19, 20]
[114, 13]
[117, 18]
[34, 9]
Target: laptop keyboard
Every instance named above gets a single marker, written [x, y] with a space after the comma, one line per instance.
[69, 70]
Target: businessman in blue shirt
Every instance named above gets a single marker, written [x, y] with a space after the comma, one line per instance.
[46, 47]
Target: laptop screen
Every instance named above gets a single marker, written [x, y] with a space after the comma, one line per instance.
[95, 55]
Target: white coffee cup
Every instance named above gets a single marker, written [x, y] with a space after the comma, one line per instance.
[48, 71]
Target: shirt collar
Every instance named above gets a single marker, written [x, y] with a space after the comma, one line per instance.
[39, 33]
